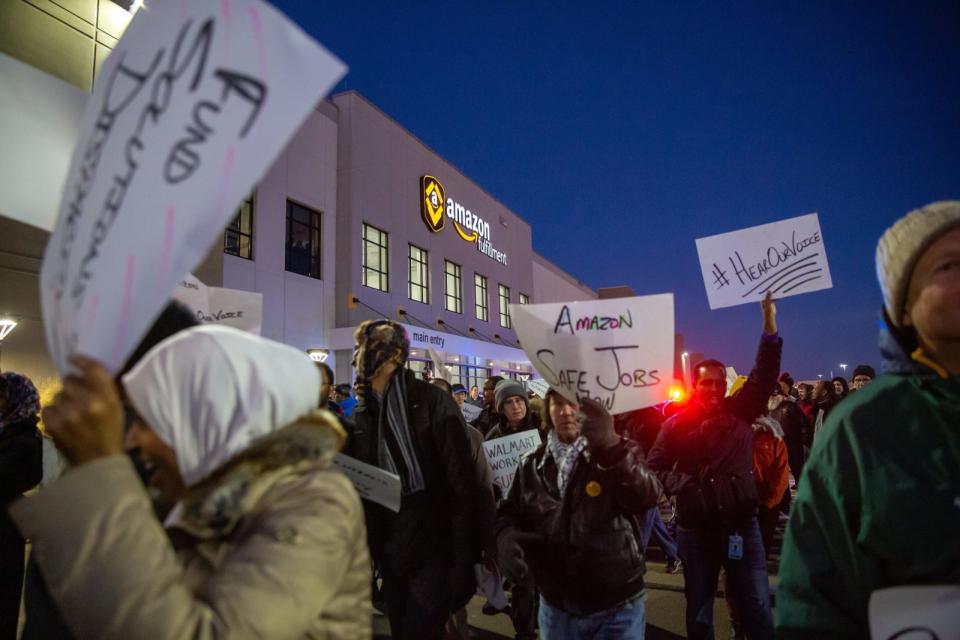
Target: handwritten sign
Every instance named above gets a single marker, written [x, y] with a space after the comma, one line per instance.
[538, 387]
[618, 351]
[503, 455]
[470, 411]
[786, 258]
[233, 307]
[372, 483]
[189, 110]
[915, 613]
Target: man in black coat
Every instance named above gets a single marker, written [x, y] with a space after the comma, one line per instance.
[426, 552]
[704, 457]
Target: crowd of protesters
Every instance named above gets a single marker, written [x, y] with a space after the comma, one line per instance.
[202, 500]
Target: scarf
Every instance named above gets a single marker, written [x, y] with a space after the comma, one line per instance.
[211, 391]
[566, 457]
[395, 449]
[23, 401]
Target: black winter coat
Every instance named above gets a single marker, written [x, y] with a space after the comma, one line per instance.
[592, 556]
[21, 469]
[706, 460]
[444, 522]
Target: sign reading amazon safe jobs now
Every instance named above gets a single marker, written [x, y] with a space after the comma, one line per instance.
[787, 258]
[618, 351]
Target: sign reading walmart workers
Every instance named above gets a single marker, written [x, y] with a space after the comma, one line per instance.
[372, 483]
[468, 225]
[235, 308]
[786, 258]
[503, 456]
[618, 352]
[189, 110]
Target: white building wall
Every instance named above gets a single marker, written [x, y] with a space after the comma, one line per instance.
[552, 284]
[297, 309]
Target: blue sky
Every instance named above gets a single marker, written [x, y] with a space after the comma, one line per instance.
[622, 132]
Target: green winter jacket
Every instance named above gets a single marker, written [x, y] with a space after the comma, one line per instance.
[878, 505]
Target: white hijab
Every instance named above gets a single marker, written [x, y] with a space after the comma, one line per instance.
[210, 391]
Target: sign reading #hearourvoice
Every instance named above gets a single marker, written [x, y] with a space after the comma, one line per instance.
[787, 258]
[188, 112]
[618, 351]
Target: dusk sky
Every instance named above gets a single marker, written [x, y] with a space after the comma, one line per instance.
[623, 132]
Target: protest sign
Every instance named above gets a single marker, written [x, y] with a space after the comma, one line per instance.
[618, 351]
[503, 455]
[915, 613]
[372, 483]
[470, 411]
[233, 307]
[786, 258]
[539, 387]
[189, 110]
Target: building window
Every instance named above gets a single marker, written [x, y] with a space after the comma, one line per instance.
[303, 240]
[524, 298]
[375, 271]
[468, 375]
[504, 309]
[423, 369]
[453, 292]
[482, 302]
[238, 236]
[418, 284]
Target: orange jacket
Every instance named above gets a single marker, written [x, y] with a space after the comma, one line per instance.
[770, 470]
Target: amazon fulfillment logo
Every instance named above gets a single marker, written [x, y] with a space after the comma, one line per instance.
[468, 225]
[432, 203]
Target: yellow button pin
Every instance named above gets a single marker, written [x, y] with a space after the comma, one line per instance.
[593, 488]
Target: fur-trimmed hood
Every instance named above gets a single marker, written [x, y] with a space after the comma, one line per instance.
[769, 424]
[214, 507]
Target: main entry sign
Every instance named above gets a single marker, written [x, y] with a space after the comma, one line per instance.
[468, 225]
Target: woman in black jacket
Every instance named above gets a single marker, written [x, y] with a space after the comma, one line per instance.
[572, 521]
[21, 469]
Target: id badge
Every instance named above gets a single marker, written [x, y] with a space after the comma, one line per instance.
[735, 547]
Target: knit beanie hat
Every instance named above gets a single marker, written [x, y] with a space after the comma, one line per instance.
[508, 388]
[864, 370]
[902, 245]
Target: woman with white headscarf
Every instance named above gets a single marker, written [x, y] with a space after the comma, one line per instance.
[266, 541]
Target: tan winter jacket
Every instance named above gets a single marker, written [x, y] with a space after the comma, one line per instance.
[273, 546]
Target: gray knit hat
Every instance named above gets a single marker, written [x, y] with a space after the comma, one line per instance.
[902, 245]
[508, 388]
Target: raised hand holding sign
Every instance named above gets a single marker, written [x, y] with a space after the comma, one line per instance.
[188, 112]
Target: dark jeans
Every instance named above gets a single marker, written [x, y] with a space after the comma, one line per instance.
[703, 553]
[653, 525]
[418, 603]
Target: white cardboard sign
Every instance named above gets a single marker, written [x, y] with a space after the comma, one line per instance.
[503, 455]
[787, 258]
[233, 307]
[539, 387]
[915, 613]
[189, 110]
[372, 483]
[470, 411]
[618, 351]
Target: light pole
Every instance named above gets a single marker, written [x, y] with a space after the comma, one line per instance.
[843, 367]
[6, 326]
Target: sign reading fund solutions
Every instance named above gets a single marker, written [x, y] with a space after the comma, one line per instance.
[435, 208]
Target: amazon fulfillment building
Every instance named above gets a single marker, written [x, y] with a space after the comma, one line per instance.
[356, 219]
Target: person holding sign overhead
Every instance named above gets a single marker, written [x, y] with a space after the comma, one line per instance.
[571, 522]
[704, 457]
[266, 540]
